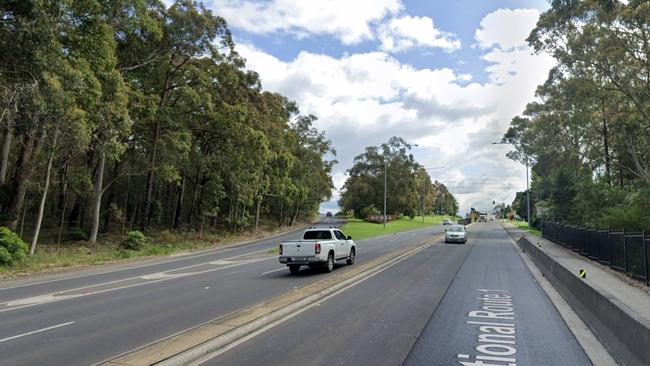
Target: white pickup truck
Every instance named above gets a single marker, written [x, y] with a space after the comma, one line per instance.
[319, 247]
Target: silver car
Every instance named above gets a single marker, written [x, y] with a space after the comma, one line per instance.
[456, 234]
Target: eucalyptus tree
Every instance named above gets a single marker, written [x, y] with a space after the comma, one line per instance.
[587, 136]
[407, 182]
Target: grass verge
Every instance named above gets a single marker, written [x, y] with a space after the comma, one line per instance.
[52, 257]
[524, 225]
[360, 229]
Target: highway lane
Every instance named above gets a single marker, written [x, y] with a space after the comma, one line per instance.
[106, 320]
[416, 313]
[495, 310]
[49, 283]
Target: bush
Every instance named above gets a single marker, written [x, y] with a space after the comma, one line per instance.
[368, 211]
[134, 240]
[166, 236]
[77, 234]
[12, 248]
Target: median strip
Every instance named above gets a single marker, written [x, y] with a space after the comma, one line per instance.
[211, 337]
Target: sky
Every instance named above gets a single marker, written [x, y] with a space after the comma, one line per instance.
[445, 75]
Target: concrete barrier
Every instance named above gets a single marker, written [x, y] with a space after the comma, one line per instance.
[624, 335]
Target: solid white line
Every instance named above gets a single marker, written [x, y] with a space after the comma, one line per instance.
[62, 298]
[275, 270]
[293, 314]
[150, 274]
[36, 331]
[205, 253]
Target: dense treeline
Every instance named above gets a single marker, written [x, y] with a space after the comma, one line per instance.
[587, 137]
[124, 114]
[410, 190]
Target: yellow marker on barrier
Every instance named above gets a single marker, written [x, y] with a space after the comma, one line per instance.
[583, 273]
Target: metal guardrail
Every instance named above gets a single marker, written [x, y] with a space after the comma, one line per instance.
[624, 251]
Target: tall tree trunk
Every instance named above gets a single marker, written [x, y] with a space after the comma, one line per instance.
[144, 222]
[197, 192]
[21, 179]
[41, 206]
[22, 221]
[294, 214]
[126, 203]
[608, 174]
[201, 229]
[110, 198]
[65, 203]
[178, 217]
[97, 197]
[257, 212]
[6, 148]
[63, 198]
[135, 211]
[6, 141]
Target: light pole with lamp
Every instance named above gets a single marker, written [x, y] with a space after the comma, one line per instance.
[527, 184]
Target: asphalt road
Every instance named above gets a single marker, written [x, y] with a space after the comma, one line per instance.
[85, 317]
[451, 303]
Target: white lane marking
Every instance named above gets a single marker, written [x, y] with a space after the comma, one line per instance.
[36, 331]
[275, 270]
[181, 258]
[151, 276]
[38, 300]
[181, 254]
[293, 314]
[31, 300]
[65, 297]
[156, 276]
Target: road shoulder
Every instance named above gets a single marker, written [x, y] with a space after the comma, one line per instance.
[587, 340]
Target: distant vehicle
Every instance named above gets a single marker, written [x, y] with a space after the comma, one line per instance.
[456, 234]
[446, 222]
[328, 214]
[482, 219]
[319, 247]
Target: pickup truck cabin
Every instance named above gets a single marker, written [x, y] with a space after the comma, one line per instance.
[319, 247]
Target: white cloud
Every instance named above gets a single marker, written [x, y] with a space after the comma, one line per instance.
[506, 28]
[349, 21]
[363, 99]
[406, 32]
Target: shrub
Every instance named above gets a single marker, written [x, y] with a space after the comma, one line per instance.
[134, 240]
[367, 211]
[167, 236]
[77, 234]
[12, 248]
